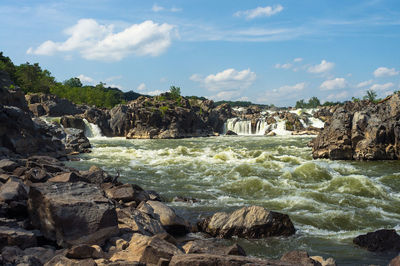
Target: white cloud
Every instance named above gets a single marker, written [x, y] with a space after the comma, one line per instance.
[98, 42]
[141, 87]
[266, 11]
[225, 95]
[289, 89]
[364, 83]
[284, 66]
[323, 67]
[116, 86]
[298, 59]
[332, 84]
[153, 93]
[157, 8]
[86, 79]
[382, 87]
[226, 80]
[337, 96]
[109, 79]
[385, 72]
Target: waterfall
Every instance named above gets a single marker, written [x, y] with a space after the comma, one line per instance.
[92, 130]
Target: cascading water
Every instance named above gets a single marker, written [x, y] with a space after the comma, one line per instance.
[92, 130]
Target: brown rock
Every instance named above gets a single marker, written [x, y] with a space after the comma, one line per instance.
[66, 177]
[14, 236]
[13, 190]
[299, 257]
[139, 222]
[212, 247]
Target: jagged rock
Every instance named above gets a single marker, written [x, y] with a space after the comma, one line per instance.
[172, 223]
[222, 260]
[248, 222]
[13, 190]
[52, 104]
[36, 175]
[15, 236]
[66, 177]
[84, 252]
[212, 247]
[299, 257]
[122, 193]
[361, 131]
[139, 222]
[185, 199]
[100, 118]
[147, 250]
[72, 213]
[8, 165]
[381, 240]
[68, 121]
[41, 253]
[76, 141]
[96, 176]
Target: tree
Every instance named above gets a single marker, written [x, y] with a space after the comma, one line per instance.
[313, 102]
[31, 78]
[7, 65]
[175, 92]
[370, 96]
[73, 82]
[300, 104]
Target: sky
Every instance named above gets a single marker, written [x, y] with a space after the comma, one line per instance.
[268, 52]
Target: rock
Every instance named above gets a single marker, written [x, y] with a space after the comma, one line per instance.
[230, 133]
[139, 222]
[41, 253]
[184, 199]
[36, 175]
[379, 241]
[248, 222]
[84, 252]
[100, 118]
[153, 195]
[66, 178]
[52, 105]
[61, 260]
[147, 250]
[72, 213]
[212, 247]
[172, 223]
[221, 260]
[14, 236]
[13, 190]
[395, 261]
[271, 134]
[327, 262]
[122, 193]
[299, 257]
[97, 176]
[8, 165]
[77, 122]
[76, 141]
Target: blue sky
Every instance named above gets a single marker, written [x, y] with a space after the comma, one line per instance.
[272, 52]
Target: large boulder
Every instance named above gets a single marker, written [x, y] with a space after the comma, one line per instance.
[72, 213]
[248, 222]
[139, 222]
[361, 131]
[76, 141]
[52, 105]
[379, 241]
[72, 122]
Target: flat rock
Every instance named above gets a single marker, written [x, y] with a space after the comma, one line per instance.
[72, 213]
[299, 257]
[15, 236]
[212, 247]
[172, 223]
[381, 240]
[139, 222]
[248, 222]
[66, 177]
[13, 190]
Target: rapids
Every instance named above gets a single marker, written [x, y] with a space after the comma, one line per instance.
[329, 202]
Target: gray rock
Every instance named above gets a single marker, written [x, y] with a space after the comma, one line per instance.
[13, 190]
[15, 236]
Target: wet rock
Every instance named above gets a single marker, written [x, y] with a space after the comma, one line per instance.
[147, 250]
[379, 241]
[13, 190]
[172, 223]
[184, 199]
[248, 222]
[100, 118]
[230, 133]
[212, 247]
[299, 257]
[15, 236]
[97, 176]
[153, 195]
[221, 260]
[139, 222]
[73, 122]
[8, 165]
[72, 213]
[327, 262]
[76, 141]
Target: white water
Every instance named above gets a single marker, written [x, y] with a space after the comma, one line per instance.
[92, 130]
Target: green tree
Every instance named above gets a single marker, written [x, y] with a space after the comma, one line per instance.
[73, 82]
[300, 104]
[7, 65]
[31, 78]
[313, 102]
[370, 96]
[175, 92]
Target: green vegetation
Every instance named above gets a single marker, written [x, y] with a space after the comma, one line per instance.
[313, 102]
[371, 96]
[163, 110]
[33, 79]
[175, 92]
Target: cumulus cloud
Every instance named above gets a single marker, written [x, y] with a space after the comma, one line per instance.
[86, 79]
[332, 84]
[382, 87]
[364, 83]
[385, 72]
[260, 11]
[99, 42]
[154, 93]
[323, 67]
[226, 80]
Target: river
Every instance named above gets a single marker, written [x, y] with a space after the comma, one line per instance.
[329, 202]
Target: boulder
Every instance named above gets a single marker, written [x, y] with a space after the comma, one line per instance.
[172, 223]
[13, 190]
[212, 247]
[52, 104]
[299, 257]
[8, 165]
[147, 250]
[379, 241]
[230, 133]
[36, 175]
[248, 222]
[97, 176]
[72, 213]
[66, 178]
[61, 260]
[84, 252]
[69, 121]
[41, 253]
[15, 236]
[139, 222]
[76, 141]
[324, 262]
[222, 260]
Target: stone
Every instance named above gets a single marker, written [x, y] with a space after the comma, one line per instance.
[84, 252]
[379, 241]
[96, 177]
[69, 121]
[61, 260]
[222, 260]
[212, 247]
[230, 133]
[173, 224]
[248, 222]
[72, 213]
[66, 177]
[8, 165]
[41, 253]
[13, 190]
[395, 261]
[299, 257]
[125, 193]
[36, 175]
[147, 250]
[139, 222]
[14, 236]
[327, 262]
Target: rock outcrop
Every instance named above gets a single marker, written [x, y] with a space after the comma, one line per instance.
[361, 131]
[248, 222]
[51, 105]
[379, 241]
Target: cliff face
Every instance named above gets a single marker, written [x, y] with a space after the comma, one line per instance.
[361, 131]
